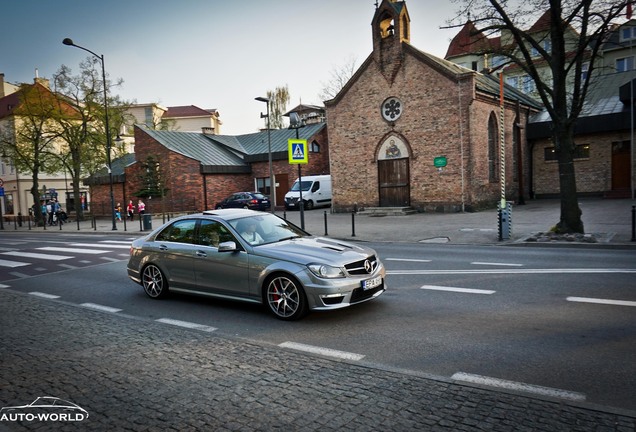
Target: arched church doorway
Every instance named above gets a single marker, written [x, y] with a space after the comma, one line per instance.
[393, 173]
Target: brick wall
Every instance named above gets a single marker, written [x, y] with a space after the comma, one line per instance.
[593, 174]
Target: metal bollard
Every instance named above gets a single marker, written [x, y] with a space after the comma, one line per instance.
[353, 224]
[326, 223]
[94, 224]
[633, 223]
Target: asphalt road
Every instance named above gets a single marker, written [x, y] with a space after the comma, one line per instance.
[537, 319]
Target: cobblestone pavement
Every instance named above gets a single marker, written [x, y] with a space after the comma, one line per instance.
[140, 375]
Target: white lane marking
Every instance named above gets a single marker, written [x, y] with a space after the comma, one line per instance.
[518, 386]
[129, 242]
[602, 301]
[407, 260]
[496, 264]
[4, 286]
[186, 324]
[12, 264]
[109, 259]
[72, 250]
[44, 295]
[68, 266]
[322, 351]
[100, 307]
[38, 256]
[98, 245]
[453, 289]
[510, 271]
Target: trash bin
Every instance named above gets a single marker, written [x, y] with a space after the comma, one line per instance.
[147, 220]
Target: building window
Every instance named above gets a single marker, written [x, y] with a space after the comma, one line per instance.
[545, 44]
[585, 67]
[582, 151]
[315, 147]
[625, 64]
[522, 83]
[628, 33]
[262, 185]
[492, 149]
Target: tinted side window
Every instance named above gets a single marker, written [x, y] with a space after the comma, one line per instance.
[179, 232]
[211, 233]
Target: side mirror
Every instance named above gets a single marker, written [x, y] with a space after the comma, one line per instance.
[229, 246]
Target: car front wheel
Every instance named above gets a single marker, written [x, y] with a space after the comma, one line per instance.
[285, 298]
[154, 282]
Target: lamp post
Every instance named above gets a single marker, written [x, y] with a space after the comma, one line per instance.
[269, 150]
[69, 42]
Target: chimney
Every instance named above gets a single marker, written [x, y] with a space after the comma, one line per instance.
[42, 81]
[2, 85]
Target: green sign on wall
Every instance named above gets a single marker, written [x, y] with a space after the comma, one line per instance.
[440, 162]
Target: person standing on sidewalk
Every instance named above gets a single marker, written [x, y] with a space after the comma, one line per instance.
[141, 208]
[130, 210]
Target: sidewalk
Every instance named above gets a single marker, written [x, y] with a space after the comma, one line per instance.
[609, 221]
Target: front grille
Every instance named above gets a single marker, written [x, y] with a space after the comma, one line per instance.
[359, 294]
[357, 268]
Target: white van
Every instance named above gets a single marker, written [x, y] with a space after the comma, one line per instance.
[316, 192]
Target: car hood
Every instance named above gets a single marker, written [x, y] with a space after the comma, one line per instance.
[307, 250]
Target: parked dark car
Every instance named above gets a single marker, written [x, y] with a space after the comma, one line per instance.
[246, 200]
[255, 257]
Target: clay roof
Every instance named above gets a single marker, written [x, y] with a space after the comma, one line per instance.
[469, 40]
[12, 104]
[186, 111]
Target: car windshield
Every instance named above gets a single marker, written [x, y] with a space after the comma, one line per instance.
[265, 228]
[305, 186]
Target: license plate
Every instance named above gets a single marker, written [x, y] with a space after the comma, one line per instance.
[372, 283]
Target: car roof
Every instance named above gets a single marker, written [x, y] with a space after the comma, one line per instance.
[231, 213]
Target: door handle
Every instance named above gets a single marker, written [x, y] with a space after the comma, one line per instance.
[163, 248]
[201, 254]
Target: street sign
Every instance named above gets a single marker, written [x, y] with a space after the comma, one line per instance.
[1, 191]
[440, 162]
[297, 151]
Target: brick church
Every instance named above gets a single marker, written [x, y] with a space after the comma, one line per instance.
[412, 129]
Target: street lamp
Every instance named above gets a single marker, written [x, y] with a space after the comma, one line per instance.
[269, 150]
[69, 42]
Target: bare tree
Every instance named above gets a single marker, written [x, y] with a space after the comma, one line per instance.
[338, 77]
[563, 90]
[278, 100]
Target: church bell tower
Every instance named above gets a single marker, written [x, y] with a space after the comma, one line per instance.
[391, 28]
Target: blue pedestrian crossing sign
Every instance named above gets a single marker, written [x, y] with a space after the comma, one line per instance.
[297, 151]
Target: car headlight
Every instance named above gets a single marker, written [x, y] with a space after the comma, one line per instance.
[326, 271]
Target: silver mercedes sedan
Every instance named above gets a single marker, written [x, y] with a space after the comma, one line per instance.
[255, 257]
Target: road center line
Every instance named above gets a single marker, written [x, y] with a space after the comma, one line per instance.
[186, 324]
[44, 295]
[453, 289]
[407, 260]
[496, 264]
[518, 386]
[602, 301]
[512, 271]
[322, 351]
[100, 307]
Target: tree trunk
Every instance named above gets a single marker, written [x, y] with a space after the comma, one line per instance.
[570, 221]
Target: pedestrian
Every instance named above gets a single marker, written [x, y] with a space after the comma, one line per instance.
[118, 212]
[49, 212]
[141, 208]
[43, 210]
[57, 210]
[130, 210]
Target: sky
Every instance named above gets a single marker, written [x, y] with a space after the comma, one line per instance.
[209, 53]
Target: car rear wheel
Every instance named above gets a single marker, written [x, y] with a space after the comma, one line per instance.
[285, 298]
[309, 204]
[154, 282]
